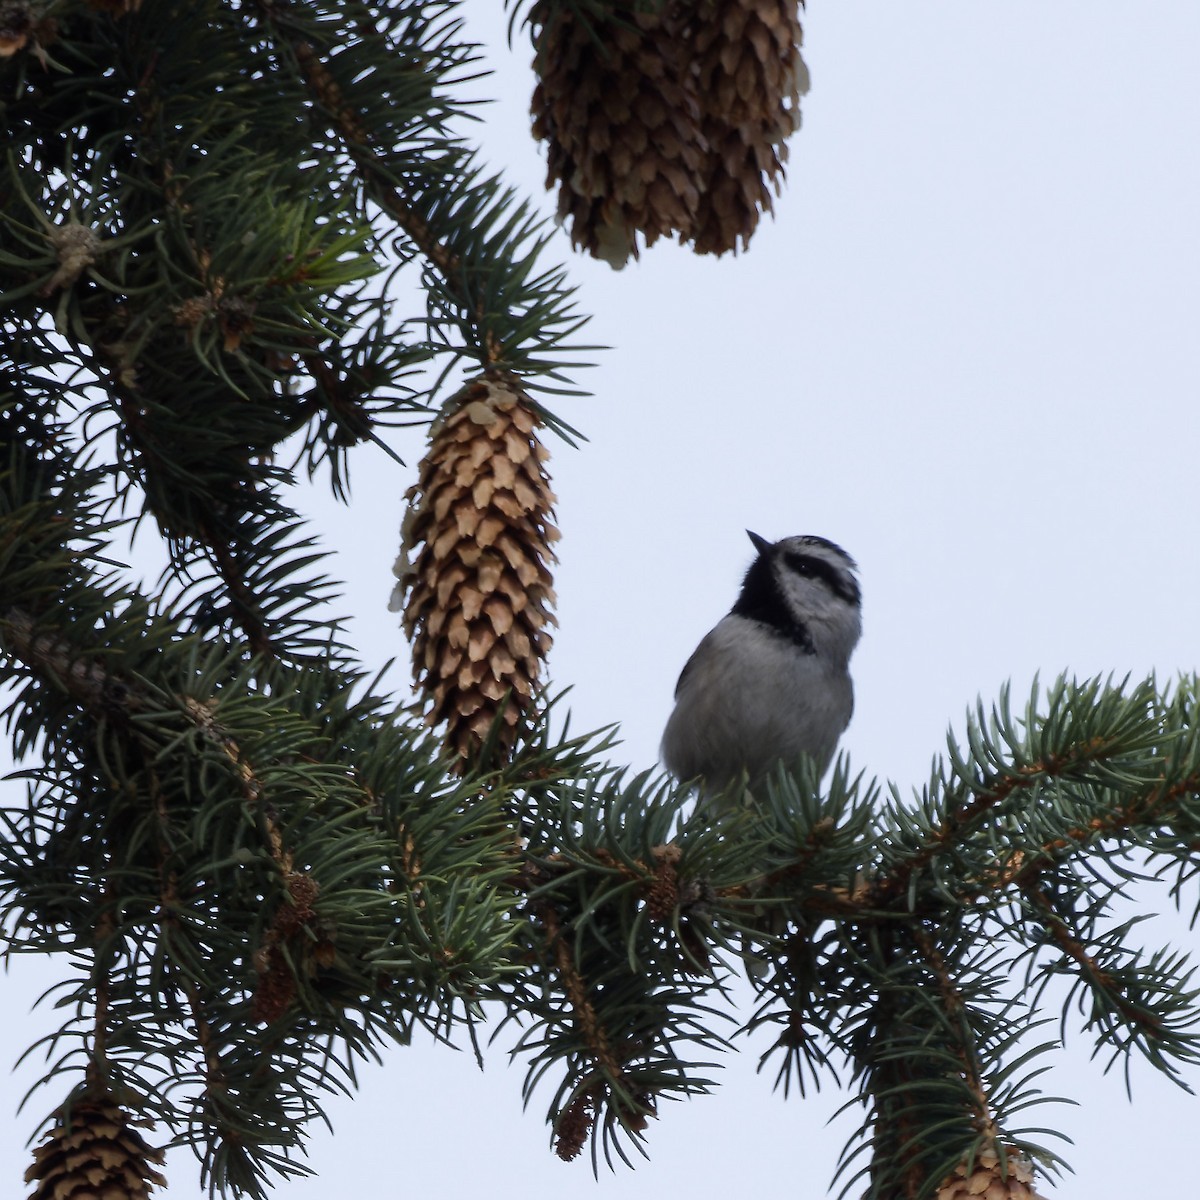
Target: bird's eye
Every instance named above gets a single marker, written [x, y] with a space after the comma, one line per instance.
[799, 563]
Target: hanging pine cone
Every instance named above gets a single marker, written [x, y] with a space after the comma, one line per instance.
[617, 106]
[93, 1153]
[479, 587]
[666, 117]
[986, 1180]
[751, 77]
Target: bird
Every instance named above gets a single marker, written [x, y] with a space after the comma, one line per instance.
[770, 683]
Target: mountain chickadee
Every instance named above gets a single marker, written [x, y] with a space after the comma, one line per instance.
[771, 682]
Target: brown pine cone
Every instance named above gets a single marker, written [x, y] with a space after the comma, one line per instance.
[616, 104]
[474, 567]
[93, 1153]
[751, 77]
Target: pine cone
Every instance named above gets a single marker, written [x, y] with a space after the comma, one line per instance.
[93, 1154]
[479, 588]
[986, 1181]
[616, 103]
[751, 77]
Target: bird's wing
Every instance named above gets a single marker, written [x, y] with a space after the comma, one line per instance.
[687, 666]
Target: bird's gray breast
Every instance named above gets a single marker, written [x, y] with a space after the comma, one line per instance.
[750, 697]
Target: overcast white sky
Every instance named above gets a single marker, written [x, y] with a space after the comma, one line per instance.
[966, 350]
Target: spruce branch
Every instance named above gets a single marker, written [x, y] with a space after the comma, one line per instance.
[617, 995]
[244, 604]
[480, 246]
[346, 121]
[1136, 1002]
[1130, 759]
[955, 1008]
[587, 1096]
[54, 659]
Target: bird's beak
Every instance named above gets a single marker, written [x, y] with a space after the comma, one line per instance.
[760, 543]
